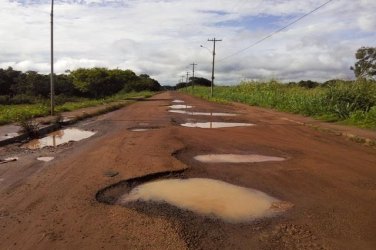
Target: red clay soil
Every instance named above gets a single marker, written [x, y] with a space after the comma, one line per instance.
[52, 205]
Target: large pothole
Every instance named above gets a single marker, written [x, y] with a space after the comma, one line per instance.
[59, 137]
[201, 196]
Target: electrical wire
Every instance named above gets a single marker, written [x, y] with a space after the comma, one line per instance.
[275, 32]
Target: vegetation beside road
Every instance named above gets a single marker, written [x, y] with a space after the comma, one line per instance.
[26, 94]
[349, 102]
[12, 113]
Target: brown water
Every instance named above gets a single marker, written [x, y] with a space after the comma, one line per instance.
[59, 137]
[215, 124]
[45, 158]
[180, 106]
[234, 158]
[201, 113]
[208, 197]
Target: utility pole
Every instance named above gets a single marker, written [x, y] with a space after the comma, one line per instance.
[182, 78]
[212, 82]
[52, 87]
[193, 73]
[186, 82]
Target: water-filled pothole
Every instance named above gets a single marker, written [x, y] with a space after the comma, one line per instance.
[208, 197]
[201, 113]
[142, 129]
[180, 106]
[9, 159]
[45, 158]
[215, 124]
[59, 137]
[235, 158]
[178, 101]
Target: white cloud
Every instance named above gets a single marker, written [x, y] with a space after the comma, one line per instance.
[163, 37]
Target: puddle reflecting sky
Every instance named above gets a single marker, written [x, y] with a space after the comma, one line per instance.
[234, 158]
[45, 158]
[208, 197]
[180, 106]
[178, 101]
[215, 124]
[201, 113]
[139, 129]
[59, 137]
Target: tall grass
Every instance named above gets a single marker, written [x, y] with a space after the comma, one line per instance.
[11, 113]
[351, 103]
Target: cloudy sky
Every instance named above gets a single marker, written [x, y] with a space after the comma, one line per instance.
[162, 37]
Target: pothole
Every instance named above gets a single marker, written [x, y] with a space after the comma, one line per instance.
[208, 197]
[45, 158]
[58, 138]
[236, 158]
[215, 124]
[180, 106]
[142, 129]
[9, 159]
[178, 101]
[201, 113]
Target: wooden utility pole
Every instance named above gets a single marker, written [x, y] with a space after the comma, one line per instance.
[193, 74]
[52, 87]
[212, 82]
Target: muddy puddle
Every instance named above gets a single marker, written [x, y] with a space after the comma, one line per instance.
[178, 101]
[208, 197]
[180, 106]
[58, 138]
[9, 159]
[215, 124]
[45, 158]
[236, 158]
[201, 113]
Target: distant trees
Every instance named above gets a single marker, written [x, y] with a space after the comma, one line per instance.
[365, 67]
[196, 81]
[19, 87]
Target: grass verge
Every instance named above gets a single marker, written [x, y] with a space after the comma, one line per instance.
[11, 113]
[347, 103]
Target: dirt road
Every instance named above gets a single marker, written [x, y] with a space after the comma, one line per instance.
[53, 205]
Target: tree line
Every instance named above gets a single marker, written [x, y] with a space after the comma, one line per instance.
[25, 87]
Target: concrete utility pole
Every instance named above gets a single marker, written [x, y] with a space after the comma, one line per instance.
[212, 82]
[193, 73]
[52, 87]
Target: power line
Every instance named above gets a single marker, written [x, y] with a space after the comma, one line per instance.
[275, 32]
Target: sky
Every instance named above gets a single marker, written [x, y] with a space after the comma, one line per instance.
[163, 37]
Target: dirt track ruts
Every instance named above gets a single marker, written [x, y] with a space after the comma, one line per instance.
[331, 182]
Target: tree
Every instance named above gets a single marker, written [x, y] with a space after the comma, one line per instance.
[365, 67]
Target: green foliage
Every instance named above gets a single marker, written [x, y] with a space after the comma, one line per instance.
[353, 103]
[28, 125]
[365, 67]
[13, 113]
